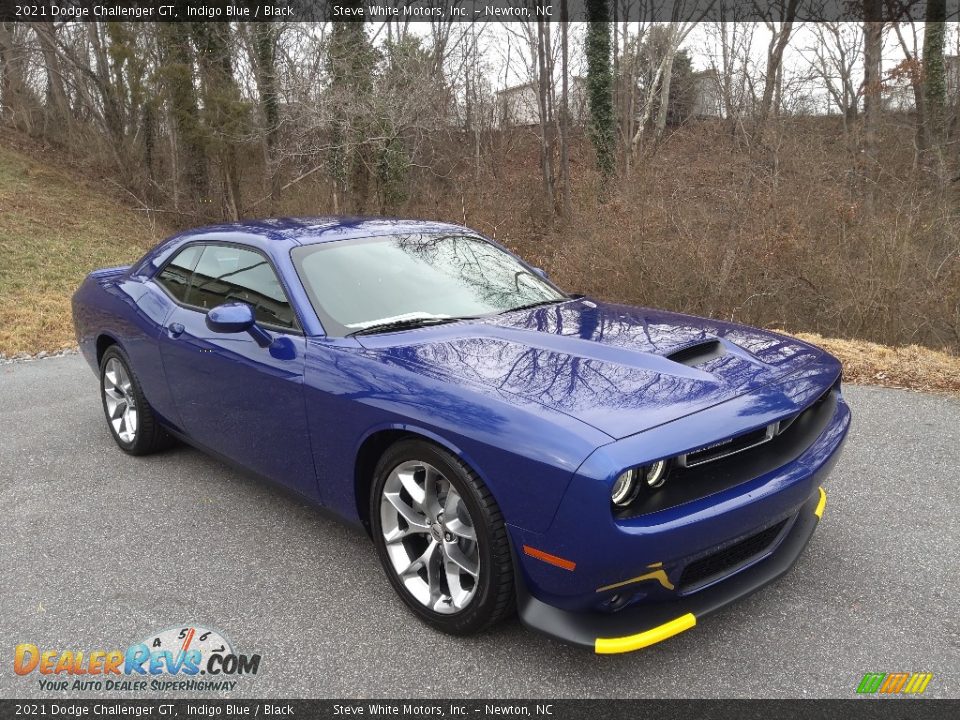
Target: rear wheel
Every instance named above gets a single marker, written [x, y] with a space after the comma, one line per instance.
[441, 538]
[130, 418]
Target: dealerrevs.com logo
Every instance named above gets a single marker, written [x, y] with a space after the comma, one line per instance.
[183, 658]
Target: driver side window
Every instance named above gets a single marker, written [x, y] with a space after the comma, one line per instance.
[226, 273]
[204, 276]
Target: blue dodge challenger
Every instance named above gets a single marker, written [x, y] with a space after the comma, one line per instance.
[611, 473]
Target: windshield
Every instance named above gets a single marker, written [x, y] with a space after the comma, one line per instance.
[359, 284]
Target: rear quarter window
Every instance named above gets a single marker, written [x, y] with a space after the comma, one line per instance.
[175, 276]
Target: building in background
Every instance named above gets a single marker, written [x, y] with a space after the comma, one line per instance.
[899, 96]
[706, 98]
[519, 105]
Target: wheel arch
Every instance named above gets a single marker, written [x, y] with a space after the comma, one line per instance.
[376, 442]
[103, 343]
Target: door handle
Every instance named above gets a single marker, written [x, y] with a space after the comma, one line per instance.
[176, 329]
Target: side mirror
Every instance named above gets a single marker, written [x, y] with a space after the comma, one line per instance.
[231, 318]
[541, 272]
[237, 317]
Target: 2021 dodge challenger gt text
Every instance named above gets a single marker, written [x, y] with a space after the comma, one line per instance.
[611, 472]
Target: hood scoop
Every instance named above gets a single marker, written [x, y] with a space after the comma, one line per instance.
[698, 353]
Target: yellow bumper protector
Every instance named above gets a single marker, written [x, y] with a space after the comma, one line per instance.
[610, 646]
[822, 504]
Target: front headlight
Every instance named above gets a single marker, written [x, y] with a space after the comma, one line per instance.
[656, 474]
[629, 483]
[625, 488]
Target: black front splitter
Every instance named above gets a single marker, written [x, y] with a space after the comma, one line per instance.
[643, 625]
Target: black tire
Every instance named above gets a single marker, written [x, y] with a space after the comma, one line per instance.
[149, 436]
[493, 598]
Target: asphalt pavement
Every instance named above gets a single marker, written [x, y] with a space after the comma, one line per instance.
[100, 550]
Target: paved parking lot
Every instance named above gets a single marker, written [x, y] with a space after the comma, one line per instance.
[99, 550]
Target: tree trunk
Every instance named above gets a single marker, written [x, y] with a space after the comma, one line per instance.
[265, 54]
[916, 85]
[17, 98]
[648, 105]
[600, 85]
[872, 49]
[935, 87]
[190, 138]
[546, 147]
[565, 111]
[661, 121]
[57, 112]
[626, 94]
[769, 104]
[222, 107]
[112, 104]
[351, 60]
[7, 99]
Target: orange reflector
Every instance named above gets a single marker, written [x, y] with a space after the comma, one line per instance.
[548, 558]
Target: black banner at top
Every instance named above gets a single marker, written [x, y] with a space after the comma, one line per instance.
[462, 10]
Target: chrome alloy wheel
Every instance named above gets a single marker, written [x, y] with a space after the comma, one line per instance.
[119, 400]
[430, 537]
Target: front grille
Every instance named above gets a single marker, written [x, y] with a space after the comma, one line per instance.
[749, 440]
[702, 472]
[728, 447]
[729, 558]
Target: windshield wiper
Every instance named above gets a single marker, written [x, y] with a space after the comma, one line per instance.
[406, 324]
[539, 303]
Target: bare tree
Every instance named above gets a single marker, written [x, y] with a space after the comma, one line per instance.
[565, 110]
[935, 85]
[224, 112]
[685, 17]
[912, 70]
[188, 136]
[732, 68]
[544, 86]
[872, 84]
[264, 41]
[780, 31]
[834, 58]
[57, 114]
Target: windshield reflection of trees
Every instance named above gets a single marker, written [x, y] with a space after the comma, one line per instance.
[494, 277]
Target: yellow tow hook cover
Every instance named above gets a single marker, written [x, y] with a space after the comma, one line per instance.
[610, 646]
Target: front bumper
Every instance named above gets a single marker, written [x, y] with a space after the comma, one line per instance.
[640, 626]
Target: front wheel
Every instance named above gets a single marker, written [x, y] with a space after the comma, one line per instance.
[441, 538]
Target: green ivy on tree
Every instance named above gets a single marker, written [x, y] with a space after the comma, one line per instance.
[600, 84]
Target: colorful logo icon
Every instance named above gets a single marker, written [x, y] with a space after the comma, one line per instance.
[894, 683]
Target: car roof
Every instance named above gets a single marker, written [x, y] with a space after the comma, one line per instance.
[311, 230]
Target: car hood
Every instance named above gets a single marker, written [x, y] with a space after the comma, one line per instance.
[620, 369]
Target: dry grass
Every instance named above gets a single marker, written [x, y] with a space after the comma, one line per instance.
[54, 228]
[912, 367]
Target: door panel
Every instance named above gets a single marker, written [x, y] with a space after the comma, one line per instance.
[234, 397]
[239, 399]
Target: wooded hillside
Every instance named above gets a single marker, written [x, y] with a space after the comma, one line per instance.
[761, 210]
